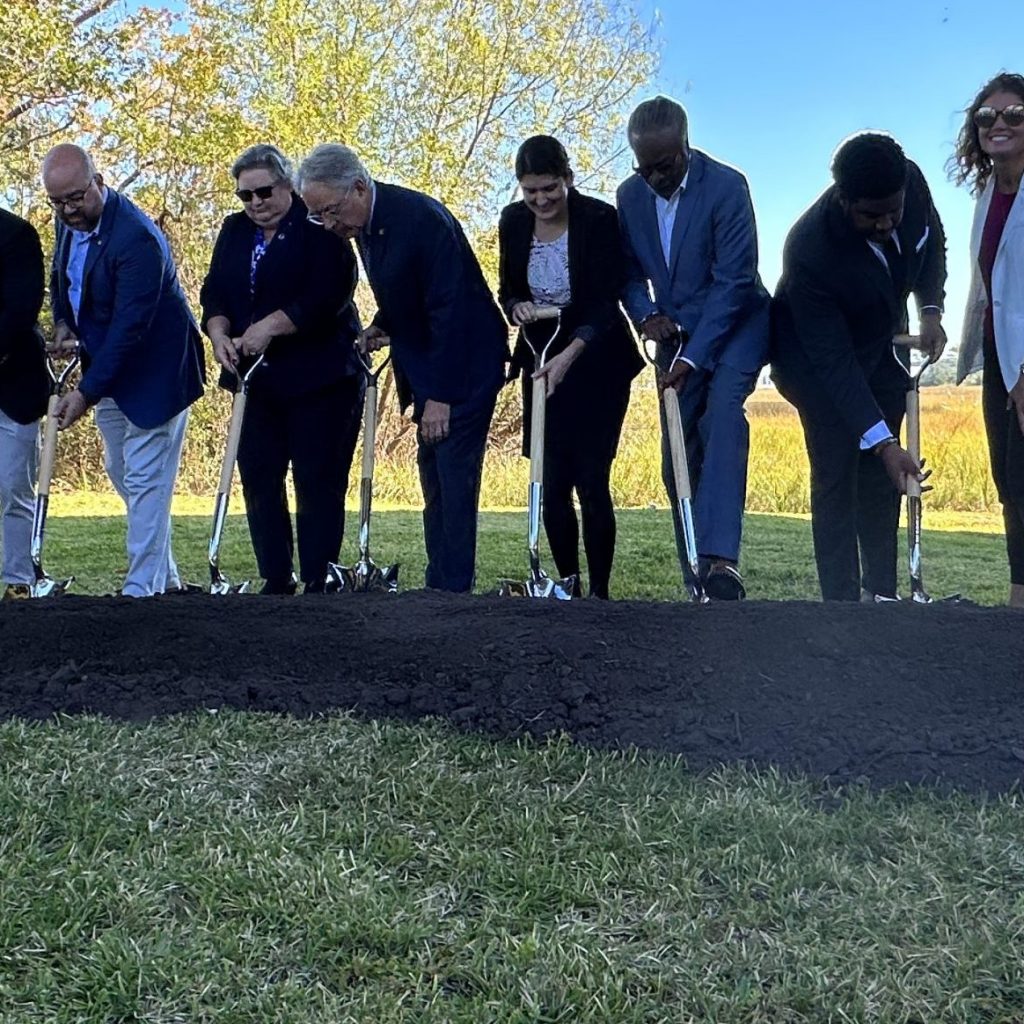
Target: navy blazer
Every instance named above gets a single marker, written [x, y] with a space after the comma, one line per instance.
[306, 273]
[836, 308]
[24, 384]
[597, 273]
[710, 286]
[140, 344]
[449, 340]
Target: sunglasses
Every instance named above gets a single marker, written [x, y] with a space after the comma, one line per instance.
[246, 194]
[1013, 116]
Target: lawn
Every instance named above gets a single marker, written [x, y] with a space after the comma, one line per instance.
[230, 868]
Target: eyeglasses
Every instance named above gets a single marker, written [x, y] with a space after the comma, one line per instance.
[74, 201]
[1013, 116]
[246, 194]
[332, 212]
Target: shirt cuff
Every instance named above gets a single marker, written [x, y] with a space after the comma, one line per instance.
[929, 309]
[683, 359]
[876, 435]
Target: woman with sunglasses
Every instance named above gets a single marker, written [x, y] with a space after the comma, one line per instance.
[989, 159]
[560, 248]
[282, 288]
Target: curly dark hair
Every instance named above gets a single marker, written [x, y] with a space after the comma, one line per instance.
[968, 164]
[869, 165]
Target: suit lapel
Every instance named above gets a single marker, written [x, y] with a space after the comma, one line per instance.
[374, 241]
[97, 244]
[685, 211]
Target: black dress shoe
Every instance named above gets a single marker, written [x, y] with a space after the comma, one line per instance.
[724, 582]
[285, 587]
[314, 587]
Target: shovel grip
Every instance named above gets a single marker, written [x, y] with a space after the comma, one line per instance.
[227, 468]
[369, 429]
[676, 443]
[48, 455]
[539, 404]
[914, 437]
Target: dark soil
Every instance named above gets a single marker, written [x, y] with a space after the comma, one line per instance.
[887, 693]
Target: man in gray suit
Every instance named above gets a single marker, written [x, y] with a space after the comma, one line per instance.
[691, 247]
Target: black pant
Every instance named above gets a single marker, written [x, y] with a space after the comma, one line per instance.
[316, 434]
[853, 503]
[1006, 455]
[582, 461]
[450, 474]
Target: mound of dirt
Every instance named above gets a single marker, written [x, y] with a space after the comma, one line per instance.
[890, 693]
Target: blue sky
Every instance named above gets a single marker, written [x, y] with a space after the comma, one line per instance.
[772, 88]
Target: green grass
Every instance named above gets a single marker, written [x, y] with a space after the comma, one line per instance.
[777, 557]
[245, 868]
[231, 869]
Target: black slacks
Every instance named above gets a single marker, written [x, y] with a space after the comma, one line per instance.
[854, 504]
[1006, 456]
[315, 434]
[450, 473]
[580, 458]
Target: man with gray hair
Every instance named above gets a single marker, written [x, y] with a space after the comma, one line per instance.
[115, 292]
[448, 339]
[693, 289]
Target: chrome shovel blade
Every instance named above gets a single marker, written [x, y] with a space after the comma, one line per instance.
[362, 578]
[44, 586]
[220, 584]
[541, 585]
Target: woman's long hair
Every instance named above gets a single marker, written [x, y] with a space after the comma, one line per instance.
[968, 164]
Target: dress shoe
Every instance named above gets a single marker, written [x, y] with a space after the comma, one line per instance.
[16, 592]
[724, 582]
[284, 588]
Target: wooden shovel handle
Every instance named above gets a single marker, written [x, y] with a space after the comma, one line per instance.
[539, 398]
[48, 455]
[546, 312]
[676, 442]
[227, 468]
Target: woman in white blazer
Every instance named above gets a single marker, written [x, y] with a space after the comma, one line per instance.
[989, 159]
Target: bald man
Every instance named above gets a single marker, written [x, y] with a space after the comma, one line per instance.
[115, 292]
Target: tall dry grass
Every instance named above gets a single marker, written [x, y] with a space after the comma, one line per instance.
[952, 433]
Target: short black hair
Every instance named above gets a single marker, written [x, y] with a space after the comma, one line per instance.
[869, 165]
[658, 115]
[542, 154]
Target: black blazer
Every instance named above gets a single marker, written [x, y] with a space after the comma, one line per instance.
[24, 384]
[448, 339]
[597, 275]
[836, 307]
[306, 272]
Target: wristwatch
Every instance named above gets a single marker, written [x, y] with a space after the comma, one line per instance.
[883, 444]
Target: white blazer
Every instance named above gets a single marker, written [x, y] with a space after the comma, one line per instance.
[1007, 294]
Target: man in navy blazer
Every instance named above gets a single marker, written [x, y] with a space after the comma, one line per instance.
[691, 246]
[115, 293]
[448, 338]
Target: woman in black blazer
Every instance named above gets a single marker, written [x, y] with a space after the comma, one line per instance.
[280, 286]
[561, 248]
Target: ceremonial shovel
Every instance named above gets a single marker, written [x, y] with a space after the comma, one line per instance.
[44, 586]
[219, 583]
[914, 503]
[364, 575]
[681, 476]
[538, 583]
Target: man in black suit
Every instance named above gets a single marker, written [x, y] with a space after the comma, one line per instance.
[448, 338]
[850, 263]
[23, 394]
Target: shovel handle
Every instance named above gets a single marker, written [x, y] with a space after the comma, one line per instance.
[538, 407]
[546, 312]
[914, 438]
[676, 443]
[48, 455]
[369, 427]
[227, 468]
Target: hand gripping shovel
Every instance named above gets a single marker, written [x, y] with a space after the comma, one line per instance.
[915, 506]
[43, 585]
[365, 575]
[538, 583]
[681, 476]
[219, 583]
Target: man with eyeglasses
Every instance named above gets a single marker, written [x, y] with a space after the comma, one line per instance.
[115, 293]
[849, 265]
[23, 395]
[448, 338]
[691, 246]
